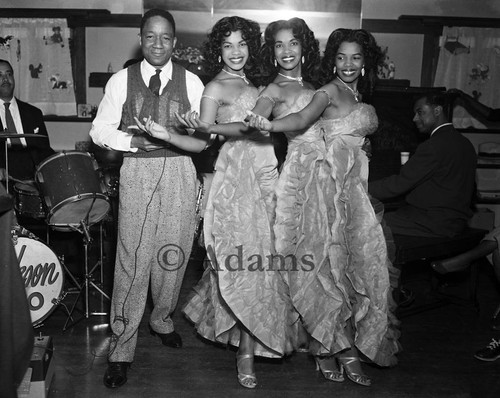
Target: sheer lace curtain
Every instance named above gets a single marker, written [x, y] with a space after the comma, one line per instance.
[469, 60]
[38, 49]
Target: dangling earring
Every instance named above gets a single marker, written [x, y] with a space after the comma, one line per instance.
[303, 59]
[363, 71]
[275, 63]
[334, 70]
[219, 59]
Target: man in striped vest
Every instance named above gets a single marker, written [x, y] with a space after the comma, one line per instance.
[156, 216]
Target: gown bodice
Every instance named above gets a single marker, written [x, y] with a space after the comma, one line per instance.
[352, 128]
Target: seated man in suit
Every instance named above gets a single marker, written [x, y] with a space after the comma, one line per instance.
[24, 153]
[438, 181]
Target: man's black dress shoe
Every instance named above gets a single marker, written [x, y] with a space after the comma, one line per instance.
[116, 374]
[172, 339]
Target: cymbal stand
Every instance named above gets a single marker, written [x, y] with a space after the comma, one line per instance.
[4, 135]
[88, 281]
[6, 166]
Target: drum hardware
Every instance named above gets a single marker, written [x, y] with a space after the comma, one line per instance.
[76, 285]
[88, 281]
[18, 230]
[4, 135]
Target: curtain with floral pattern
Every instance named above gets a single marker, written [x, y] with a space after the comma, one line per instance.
[469, 60]
[38, 50]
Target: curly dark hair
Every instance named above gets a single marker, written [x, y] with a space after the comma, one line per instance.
[371, 51]
[250, 31]
[310, 49]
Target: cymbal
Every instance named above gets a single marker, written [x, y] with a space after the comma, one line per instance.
[15, 135]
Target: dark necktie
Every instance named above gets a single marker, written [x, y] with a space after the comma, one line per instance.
[155, 83]
[11, 127]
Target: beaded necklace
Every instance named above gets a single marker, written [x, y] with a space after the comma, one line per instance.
[355, 93]
[297, 79]
[236, 75]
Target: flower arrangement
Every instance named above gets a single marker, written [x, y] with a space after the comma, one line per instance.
[387, 70]
[189, 54]
[478, 76]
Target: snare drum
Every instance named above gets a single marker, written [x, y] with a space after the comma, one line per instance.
[72, 189]
[42, 274]
[28, 200]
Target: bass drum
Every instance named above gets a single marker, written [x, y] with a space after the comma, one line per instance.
[42, 274]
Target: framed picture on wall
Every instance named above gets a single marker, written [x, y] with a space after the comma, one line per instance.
[400, 62]
[84, 110]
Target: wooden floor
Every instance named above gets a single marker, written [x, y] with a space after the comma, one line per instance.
[436, 361]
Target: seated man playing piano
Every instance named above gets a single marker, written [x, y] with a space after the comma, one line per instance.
[437, 182]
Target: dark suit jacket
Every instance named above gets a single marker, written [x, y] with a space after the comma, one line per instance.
[438, 181]
[16, 330]
[23, 161]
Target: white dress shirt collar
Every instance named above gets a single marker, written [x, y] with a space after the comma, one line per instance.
[12, 101]
[438, 127]
[16, 116]
[148, 70]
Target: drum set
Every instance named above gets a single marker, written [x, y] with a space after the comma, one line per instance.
[68, 193]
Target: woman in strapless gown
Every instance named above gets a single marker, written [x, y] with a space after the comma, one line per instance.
[240, 288]
[358, 251]
[362, 321]
[301, 227]
[240, 300]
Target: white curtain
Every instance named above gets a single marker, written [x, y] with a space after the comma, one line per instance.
[38, 49]
[469, 59]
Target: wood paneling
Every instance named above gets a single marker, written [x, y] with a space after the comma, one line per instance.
[343, 6]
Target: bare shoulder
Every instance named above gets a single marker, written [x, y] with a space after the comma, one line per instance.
[332, 89]
[271, 90]
[214, 88]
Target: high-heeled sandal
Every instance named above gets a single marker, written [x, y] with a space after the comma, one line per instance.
[246, 380]
[329, 374]
[358, 378]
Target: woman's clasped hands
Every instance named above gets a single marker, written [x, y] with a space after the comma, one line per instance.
[258, 122]
[192, 120]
